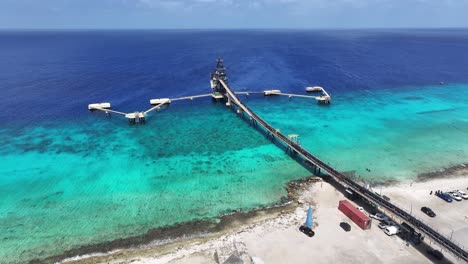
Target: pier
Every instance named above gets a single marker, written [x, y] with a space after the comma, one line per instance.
[105, 107]
[324, 98]
[321, 99]
[343, 180]
[139, 117]
[133, 118]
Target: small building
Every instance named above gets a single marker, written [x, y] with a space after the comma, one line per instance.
[358, 217]
[160, 101]
[97, 106]
[271, 92]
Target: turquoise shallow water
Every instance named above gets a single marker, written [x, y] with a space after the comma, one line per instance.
[94, 179]
[71, 184]
[396, 133]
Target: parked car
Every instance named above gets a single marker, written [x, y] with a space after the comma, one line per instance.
[435, 253]
[346, 227]
[428, 211]
[444, 196]
[379, 216]
[455, 196]
[385, 223]
[463, 194]
[392, 230]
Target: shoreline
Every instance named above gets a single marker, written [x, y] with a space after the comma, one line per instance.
[454, 171]
[167, 239]
[185, 232]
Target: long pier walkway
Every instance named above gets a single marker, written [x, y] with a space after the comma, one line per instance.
[349, 183]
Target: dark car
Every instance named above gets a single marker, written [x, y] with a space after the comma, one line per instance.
[444, 196]
[435, 253]
[428, 211]
[306, 230]
[346, 227]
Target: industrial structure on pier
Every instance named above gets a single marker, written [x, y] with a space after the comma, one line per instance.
[218, 74]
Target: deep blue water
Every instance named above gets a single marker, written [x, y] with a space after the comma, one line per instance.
[54, 74]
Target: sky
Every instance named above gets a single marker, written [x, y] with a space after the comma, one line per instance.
[184, 14]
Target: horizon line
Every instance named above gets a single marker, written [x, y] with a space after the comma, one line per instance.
[227, 28]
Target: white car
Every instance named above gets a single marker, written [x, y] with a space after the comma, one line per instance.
[392, 230]
[463, 194]
[455, 196]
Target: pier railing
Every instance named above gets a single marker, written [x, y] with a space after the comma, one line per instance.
[347, 182]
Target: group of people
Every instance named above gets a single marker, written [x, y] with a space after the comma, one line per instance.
[436, 192]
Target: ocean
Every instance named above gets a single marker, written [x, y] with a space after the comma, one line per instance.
[72, 178]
